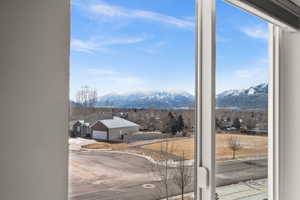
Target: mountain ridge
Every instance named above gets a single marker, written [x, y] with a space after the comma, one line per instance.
[148, 100]
[254, 97]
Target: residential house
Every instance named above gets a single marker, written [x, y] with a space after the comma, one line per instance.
[80, 129]
[114, 129]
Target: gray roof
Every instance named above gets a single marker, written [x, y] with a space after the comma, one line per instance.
[72, 123]
[118, 122]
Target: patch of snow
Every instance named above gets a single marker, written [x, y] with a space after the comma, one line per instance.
[251, 91]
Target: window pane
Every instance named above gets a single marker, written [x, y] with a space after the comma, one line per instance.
[241, 105]
[132, 100]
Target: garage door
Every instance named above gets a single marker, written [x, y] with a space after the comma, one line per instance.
[100, 135]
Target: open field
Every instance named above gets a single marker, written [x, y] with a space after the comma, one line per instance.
[134, 147]
[119, 145]
[181, 148]
[253, 147]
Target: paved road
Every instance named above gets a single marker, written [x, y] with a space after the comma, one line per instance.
[231, 172]
[115, 176]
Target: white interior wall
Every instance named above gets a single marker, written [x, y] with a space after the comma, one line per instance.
[289, 116]
[34, 38]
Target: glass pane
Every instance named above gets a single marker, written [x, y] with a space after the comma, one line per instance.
[132, 100]
[241, 105]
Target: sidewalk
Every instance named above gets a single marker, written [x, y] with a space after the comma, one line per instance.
[250, 190]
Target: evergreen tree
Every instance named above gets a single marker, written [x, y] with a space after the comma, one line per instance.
[217, 123]
[237, 123]
[172, 124]
[228, 119]
[180, 123]
[171, 115]
[174, 128]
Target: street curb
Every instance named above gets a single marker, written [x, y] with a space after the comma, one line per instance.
[241, 160]
[171, 163]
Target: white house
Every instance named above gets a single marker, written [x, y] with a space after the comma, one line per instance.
[113, 129]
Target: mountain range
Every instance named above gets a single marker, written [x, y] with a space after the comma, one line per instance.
[149, 100]
[255, 97]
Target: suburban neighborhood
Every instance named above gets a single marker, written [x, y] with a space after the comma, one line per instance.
[117, 154]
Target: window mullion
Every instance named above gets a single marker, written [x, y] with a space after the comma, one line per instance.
[205, 100]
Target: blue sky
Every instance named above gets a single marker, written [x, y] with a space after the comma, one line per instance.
[133, 45]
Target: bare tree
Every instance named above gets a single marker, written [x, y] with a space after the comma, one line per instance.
[165, 170]
[234, 144]
[182, 175]
[87, 97]
[162, 169]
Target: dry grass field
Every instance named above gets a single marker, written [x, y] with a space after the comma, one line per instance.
[252, 147]
[177, 147]
[106, 145]
[118, 145]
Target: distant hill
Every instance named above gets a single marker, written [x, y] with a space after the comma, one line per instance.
[148, 100]
[255, 97]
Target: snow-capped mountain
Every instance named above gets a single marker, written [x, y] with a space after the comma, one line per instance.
[148, 100]
[255, 97]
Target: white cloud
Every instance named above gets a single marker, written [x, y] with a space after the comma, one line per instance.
[190, 18]
[117, 83]
[259, 32]
[249, 73]
[112, 11]
[101, 71]
[102, 44]
[106, 80]
[125, 80]
[258, 70]
[118, 41]
[243, 77]
[84, 46]
[112, 77]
